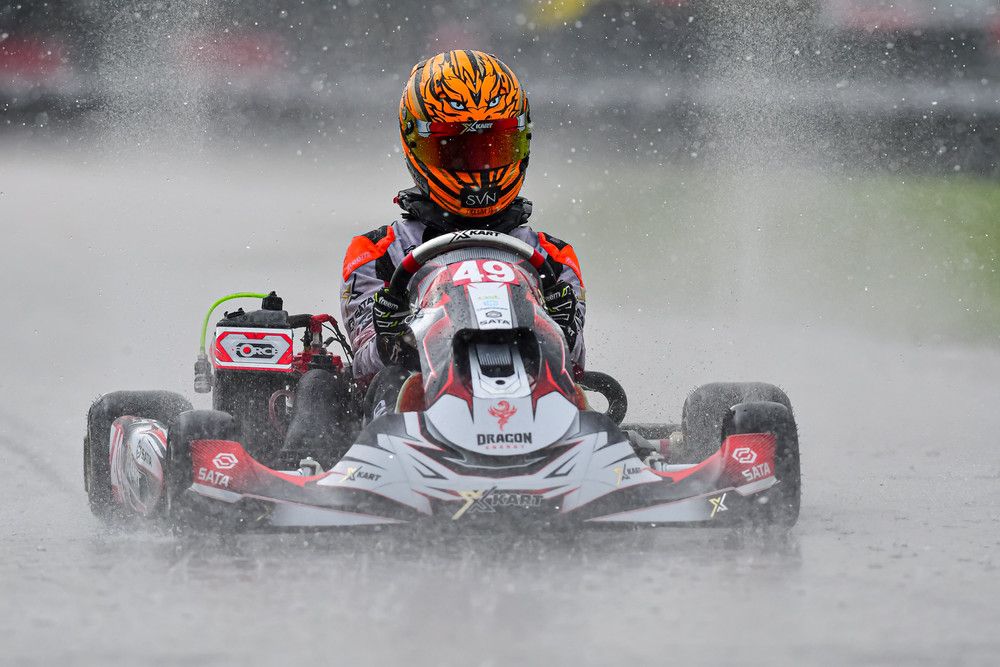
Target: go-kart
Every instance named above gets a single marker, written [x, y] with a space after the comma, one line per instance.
[493, 424]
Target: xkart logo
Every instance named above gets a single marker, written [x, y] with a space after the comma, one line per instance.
[474, 233]
[745, 455]
[718, 505]
[351, 292]
[625, 473]
[357, 474]
[252, 350]
[476, 126]
[491, 499]
[225, 461]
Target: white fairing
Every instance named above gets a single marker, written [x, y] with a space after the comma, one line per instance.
[504, 419]
[404, 469]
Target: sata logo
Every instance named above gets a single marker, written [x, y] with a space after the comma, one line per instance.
[254, 350]
[745, 455]
[225, 461]
[759, 471]
[214, 478]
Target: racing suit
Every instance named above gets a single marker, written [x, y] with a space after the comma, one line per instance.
[371, 259]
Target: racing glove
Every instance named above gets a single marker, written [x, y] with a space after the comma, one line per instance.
[389, 314]
[561, 302]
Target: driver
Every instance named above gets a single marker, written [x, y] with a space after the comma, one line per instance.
[465, 130]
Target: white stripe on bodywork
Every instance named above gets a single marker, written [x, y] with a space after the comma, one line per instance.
[217, 494]
[286, 514]
[677, 511]
[756, 487]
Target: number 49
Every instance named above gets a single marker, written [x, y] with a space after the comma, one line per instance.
[482, 270]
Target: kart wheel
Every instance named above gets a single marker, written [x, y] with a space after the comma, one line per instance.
[779, 506]
[162, 406]
[187, 427]
[322, 424]
[706, 408]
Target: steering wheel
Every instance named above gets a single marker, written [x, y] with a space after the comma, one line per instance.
[481, 238]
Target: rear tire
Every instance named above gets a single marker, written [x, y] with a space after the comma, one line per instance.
[163, 406]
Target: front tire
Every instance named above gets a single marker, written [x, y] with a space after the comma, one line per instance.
[163, 406]
[187, 427]
[706, 409]
[714, 411]
[779, 505]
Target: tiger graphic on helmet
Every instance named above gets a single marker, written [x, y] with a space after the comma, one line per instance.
[465, 130]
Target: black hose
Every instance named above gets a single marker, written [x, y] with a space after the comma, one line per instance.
[610, 389]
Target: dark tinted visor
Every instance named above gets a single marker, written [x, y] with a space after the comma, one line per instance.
[471, 146]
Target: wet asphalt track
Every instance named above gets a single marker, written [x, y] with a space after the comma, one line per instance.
[107, 264]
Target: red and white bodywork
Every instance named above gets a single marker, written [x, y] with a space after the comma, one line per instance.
[138, 450]
[493, 426]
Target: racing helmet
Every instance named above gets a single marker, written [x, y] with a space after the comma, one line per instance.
[465, 128]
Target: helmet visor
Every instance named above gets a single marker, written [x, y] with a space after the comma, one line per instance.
[470, 146]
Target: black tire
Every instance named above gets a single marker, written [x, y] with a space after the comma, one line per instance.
[779, 506]
[323, 424]
[162, 406]
[189, 426]
[706, 408]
